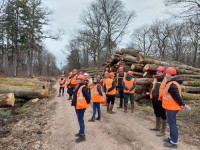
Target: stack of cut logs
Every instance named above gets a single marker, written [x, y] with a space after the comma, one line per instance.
[93, 71]
[22, 88]
[144, 68]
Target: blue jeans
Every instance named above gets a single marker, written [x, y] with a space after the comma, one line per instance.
[80, 116]
[171, 119]
[96, 105]
[126, 96]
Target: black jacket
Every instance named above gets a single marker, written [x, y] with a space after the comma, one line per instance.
[155, 92]
[173, 91]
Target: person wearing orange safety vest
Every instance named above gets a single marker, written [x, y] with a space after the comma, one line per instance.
[89, 82]
[129, 84]
[62, 83]
[97, 98]
[120, 76]
[110, 87]
[80, 101]
[156, 94]
[69, 89]
[73, 82]
[172, 101]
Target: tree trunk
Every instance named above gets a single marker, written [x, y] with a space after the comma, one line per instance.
[129, 58]
[25, 92]
[189, 89]
[137, 66]
[188, 96]
[7, 100]
[132, 52]
[192, 83]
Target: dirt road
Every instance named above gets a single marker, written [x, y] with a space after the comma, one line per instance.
[114, 131]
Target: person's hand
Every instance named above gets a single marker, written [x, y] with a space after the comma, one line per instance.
[182, 107]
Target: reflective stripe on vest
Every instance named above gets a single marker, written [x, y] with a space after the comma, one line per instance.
[129, 85]
[167, 101]
[96, 97]
[161, 88]
[109, 85]
[81, 102]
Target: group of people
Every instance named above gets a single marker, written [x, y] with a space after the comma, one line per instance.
[165, 94]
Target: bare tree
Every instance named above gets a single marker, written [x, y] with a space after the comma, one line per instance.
[143, 39]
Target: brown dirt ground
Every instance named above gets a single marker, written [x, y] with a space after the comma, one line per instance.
[53, 123]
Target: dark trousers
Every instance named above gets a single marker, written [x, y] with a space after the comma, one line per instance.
[96, 106]
[159, 111]
[121, 96]
[80, 116]
[110, 99]
[126, 97]
[171, 120]
[61, 90]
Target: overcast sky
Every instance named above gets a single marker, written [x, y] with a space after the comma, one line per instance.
[67, 13]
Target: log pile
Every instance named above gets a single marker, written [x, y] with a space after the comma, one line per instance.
[144, 68]
[22, 88]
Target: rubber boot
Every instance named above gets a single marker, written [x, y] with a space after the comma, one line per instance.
[80, 139]
[108, 108]
[111, 108]
[125, 108]
[132, 108]
[62, 94]
[158, 121]
[59, 95]
[163, 128]
[98, 118]
[70, 98]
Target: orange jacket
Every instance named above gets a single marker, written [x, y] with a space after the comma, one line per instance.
[108, 84]
[62, 83]
[167, 101]
[96, 97]
[129, 85]
[81, 102]
[161, 89]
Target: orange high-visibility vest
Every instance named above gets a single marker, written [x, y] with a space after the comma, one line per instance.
[161, 88]
[129, 84]
[167, 101]
[62, 83]
[73, 80]
[81, 102]
[104, 81]
[96, 97]
[120, 77]
[109, 82]
[68, 82]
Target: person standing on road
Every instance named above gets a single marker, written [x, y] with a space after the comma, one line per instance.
[156, 94]
[110, 86]
[69, 89]
[172, 101]
[81, 100]
[128, 85]
[120, 77]
[62, 83]
[97, 98]
[73, 82]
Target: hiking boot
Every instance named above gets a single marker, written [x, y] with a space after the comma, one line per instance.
[62, 94]
[77, 134]
[170, 145]
[59, 95]
[167, 140]
[98, 118]
[158, 121]
[80, 139]
[163, 128]
[70, 98]
[91, 120]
